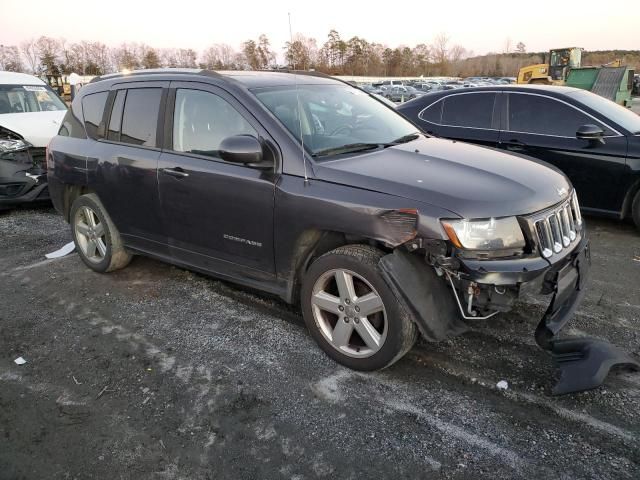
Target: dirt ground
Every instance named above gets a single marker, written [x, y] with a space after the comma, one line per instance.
[154, 372]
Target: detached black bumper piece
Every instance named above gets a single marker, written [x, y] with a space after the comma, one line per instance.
[584, 363]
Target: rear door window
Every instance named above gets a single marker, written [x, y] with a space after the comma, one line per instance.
[202, 120]
[140, 116]
[93, 111]
[545, 116]
[471, 110]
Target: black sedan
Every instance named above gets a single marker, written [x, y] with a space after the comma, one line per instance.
[594, 141]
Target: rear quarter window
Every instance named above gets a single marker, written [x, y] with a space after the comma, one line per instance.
[72, 124]
[93, 112]
[433, 113]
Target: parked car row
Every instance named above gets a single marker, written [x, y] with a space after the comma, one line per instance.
[400, 91]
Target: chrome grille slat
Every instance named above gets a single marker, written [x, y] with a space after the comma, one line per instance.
[558, 228]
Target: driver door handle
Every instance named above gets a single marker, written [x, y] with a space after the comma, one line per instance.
[176, 172]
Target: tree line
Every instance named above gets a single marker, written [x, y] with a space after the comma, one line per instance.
[335, 56]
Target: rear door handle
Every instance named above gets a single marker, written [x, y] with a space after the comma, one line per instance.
[176, 172]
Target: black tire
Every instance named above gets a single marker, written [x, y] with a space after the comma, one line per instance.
[635, 210]
[115, 256]
[362, 260]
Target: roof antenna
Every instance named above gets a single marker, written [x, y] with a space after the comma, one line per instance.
[295, 79]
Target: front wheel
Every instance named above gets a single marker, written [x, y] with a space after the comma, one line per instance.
[352, 313]
[96, 238]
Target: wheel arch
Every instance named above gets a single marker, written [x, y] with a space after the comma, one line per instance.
[314, 243]
[69, 195]
[627, 203]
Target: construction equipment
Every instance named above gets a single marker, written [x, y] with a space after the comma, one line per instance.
[555, 71]
[564, 67]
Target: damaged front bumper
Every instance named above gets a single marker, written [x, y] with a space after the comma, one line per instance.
[482, 288]
[23, 177]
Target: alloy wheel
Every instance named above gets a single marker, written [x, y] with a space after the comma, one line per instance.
[90, 235]
[349, 313]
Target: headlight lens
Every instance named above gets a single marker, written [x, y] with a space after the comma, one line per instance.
[7, 145]
[486, 234]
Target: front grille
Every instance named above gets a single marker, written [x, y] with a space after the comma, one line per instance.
[559, 227]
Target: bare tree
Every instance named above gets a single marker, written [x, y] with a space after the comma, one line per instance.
[521, 48]
[150, 58]
[440, 52]
[126, 57]
[29, 50]
[302, 52]
[457, 53]
[10, 60]
[49, 55]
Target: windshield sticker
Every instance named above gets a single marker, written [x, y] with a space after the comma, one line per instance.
[34, 88]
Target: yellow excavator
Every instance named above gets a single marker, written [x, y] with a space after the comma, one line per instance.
[564, 67]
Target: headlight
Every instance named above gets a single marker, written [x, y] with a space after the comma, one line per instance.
[487, 234]
[7, 145]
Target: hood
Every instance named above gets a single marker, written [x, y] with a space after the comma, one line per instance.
[37, 128]
[472, 181]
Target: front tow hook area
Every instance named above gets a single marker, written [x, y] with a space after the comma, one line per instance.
[584, 363]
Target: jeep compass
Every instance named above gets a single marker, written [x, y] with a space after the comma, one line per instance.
[305, 187]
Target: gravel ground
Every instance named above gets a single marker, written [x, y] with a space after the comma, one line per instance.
[154, 372]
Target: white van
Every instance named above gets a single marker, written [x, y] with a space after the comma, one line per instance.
[30, 115]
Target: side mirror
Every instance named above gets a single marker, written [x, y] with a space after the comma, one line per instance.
[241, 149]
[590, 132]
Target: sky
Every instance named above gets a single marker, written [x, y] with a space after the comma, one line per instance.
[477, 25]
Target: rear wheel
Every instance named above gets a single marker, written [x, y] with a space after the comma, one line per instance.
[352, 313]
[96, 238]
[635, 210]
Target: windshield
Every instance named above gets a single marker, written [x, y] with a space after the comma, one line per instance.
[616, 113]
[29, 98]
[335, 118]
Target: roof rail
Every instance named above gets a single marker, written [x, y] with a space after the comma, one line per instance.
[310, 73]
[156, 71]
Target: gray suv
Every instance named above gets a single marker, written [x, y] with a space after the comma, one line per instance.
[305, 187]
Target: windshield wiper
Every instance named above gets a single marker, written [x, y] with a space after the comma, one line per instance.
[349, 148]
[403, 139]
[361, 147]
